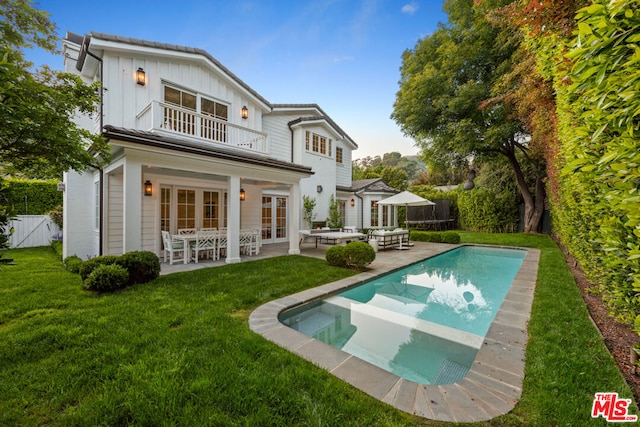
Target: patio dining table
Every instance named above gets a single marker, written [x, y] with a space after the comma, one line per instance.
[251, 236]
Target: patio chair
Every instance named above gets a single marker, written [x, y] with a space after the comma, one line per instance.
[172, 246]
[209, 229]
[221, 244]
[205, 242]
[183, 231]
[248, 242]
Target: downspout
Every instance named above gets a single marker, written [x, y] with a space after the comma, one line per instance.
[101, 198]
[291, 130]
[361, 209]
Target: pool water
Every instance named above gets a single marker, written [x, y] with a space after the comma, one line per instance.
[425, 322]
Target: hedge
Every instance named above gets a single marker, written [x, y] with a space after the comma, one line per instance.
[42, 196]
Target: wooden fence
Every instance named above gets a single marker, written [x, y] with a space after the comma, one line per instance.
[32, 230]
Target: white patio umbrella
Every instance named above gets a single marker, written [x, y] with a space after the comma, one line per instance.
[406, 199]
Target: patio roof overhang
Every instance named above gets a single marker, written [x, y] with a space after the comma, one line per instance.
[162, 142]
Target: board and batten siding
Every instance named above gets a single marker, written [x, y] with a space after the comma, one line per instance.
[124, 99]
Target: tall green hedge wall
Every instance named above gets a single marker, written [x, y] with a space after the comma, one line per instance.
[41, 196]
[480, 209]
[597, 211]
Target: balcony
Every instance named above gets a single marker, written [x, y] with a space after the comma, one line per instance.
[158, 116]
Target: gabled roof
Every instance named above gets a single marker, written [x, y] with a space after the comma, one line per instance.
[322, 116]
[163, 46]
[373, 185]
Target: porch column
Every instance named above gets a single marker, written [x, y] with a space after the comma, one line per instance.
[233, 220]
[295, 202]
[132, 206]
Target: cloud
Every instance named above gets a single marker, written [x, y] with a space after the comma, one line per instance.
[410, 8]
[343, 58]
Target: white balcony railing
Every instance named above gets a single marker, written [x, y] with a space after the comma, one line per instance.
[158, 116]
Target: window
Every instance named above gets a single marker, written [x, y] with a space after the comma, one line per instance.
[385, 216]
[343, 211]
[338, 155]
[180, 98]
[374, 213]
[318, 144]
[210, 216]
[165, 209]
[186, 209]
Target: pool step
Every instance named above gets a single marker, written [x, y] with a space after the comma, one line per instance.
[431, 328]
[450, 372]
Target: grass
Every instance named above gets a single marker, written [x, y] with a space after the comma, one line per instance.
[178, 351]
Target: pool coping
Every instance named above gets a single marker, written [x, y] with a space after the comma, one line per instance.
[491, 388]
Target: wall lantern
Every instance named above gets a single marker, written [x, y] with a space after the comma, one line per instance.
[141, 77]
[148, 188]
[353, 202]
[245, 112]
[319, 188]
[243, 195]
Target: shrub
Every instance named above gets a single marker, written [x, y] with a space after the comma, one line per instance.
[106, 278]
[72, 263]
[450, 237]
[56, 215]
[91, 264]
[335, 256]
[426, 236]
[142, 266]
[56, 245]
[358, 255]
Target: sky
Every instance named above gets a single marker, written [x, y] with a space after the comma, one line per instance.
[344, 55]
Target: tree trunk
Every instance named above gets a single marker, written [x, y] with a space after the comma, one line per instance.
[533, 204]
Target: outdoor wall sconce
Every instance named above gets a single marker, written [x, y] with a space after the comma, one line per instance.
[319, 188]
[148, 188]
[353, 202]
[141, 77]
[245, 112]
[243, 195]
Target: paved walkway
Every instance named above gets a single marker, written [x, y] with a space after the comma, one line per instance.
[493, 384]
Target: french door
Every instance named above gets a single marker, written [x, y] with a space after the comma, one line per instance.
[274, 218]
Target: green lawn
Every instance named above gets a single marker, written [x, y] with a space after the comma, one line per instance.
[178, 351]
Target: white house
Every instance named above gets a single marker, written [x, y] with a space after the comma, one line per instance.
[194, 146]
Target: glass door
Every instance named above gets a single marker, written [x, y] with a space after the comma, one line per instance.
[274, 219]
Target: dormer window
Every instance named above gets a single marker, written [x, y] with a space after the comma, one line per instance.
[318, 144]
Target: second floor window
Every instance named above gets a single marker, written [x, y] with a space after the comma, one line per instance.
[318, 144]
[338, 155]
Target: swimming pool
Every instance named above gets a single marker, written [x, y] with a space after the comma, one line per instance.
[493, 384]
[424, 322]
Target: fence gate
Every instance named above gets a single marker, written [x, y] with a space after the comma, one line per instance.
[32, 230]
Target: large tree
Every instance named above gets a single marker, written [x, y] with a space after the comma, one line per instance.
[37, 134]
[453, 97]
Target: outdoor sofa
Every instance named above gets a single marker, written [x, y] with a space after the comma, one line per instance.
[390, 238]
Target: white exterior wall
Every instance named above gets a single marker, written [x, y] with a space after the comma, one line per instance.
[79, 215]
[124, 99]
[343, 170]
[114, 219]
[276, 126]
